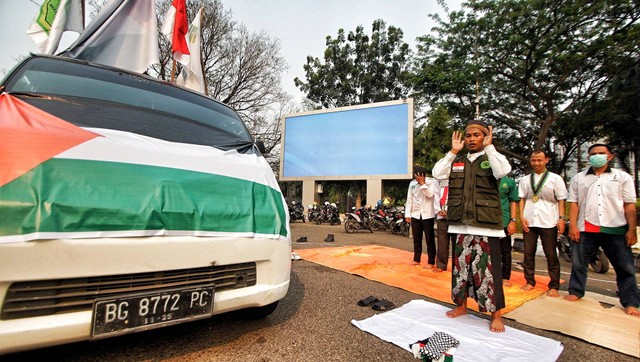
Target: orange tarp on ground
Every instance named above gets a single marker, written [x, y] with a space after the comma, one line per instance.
[393, 267]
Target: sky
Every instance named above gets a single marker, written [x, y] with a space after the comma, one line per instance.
[301, 26]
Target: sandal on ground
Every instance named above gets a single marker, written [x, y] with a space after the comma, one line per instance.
[383, 305]
[367, 301]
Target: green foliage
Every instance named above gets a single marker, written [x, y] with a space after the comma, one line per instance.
[397, 190]
[541, 66]
[358, 68]
[433, 139]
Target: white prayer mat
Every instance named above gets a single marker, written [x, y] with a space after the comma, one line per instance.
[420, 319]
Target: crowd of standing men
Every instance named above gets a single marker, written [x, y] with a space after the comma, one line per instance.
[474, 205]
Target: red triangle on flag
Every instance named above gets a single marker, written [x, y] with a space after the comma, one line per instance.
[30, 136]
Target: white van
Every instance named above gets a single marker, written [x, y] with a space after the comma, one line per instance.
[126, 204]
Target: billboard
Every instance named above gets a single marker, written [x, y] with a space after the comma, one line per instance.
[371, 141]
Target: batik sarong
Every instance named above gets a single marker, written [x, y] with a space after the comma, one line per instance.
[477, 272]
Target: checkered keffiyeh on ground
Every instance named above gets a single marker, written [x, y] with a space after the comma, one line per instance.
[433, 347]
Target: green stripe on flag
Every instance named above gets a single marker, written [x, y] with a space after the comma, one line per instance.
[68, 195]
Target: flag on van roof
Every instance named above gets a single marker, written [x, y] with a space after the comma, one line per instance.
[191, 75]
[54, 18]
[87, 183]
[124, 34]
[176, 27]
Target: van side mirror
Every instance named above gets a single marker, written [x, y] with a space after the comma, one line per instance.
[260, 146]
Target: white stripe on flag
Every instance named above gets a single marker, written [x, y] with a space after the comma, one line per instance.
[126, 147]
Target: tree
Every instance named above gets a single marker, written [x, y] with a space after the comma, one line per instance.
[540, 64]
[242, 69]
[359, 69]
[432, 140]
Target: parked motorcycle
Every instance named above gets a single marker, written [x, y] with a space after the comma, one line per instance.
[398, 223]
[296, 212]
[599, 262]
[380, 218]
[359, 219]
[329, 213]
[313, 212]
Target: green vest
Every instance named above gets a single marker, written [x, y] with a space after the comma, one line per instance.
[473, 194]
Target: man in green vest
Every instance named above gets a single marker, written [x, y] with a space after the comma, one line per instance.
[475, 216]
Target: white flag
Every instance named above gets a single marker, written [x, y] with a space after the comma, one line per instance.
[55, 17]
[124, 34]
[191, 75]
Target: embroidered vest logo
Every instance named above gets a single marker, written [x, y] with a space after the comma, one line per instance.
[485, 164]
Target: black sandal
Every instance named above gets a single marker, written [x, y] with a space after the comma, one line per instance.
[383, 305]
[368, 301]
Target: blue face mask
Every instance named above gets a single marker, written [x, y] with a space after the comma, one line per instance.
[598, 161]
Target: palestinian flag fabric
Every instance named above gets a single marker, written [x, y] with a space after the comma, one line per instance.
[58, 180]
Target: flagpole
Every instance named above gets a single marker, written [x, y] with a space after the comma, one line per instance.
[173, 71]
[82, 9]
[204, 76]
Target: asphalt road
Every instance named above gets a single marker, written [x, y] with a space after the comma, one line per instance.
[312, 323]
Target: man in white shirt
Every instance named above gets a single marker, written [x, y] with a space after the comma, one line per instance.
[475, 215]
[602, 213]
[420, 211]
[542, 208]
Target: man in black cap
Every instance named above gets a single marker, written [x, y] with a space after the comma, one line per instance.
[474, 214]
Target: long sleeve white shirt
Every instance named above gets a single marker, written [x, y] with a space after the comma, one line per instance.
[500, 167]
[422, 199]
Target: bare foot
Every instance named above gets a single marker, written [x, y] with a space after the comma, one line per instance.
[415, 263]
[506, 282]
[457, 311]
[429, 266]
[437, 270]
[631, 310]
[553, 293]
[496, 322]
[571, 298]
[527, 287]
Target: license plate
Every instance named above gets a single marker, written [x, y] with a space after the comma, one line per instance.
[150, 310]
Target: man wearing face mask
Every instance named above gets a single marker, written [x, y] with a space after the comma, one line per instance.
[602, 213]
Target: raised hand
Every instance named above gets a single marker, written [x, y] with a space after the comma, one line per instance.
[488, 139]
[457, 143]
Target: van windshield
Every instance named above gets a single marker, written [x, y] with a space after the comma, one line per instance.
[91, 96]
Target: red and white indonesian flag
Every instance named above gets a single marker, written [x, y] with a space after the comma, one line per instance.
[58, 180]
[176, 27]
[191, 75]
[124, 34]
[55, 17]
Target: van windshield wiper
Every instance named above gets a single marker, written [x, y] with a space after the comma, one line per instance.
[28, 94]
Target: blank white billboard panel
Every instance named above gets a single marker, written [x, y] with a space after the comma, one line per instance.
[369, 141]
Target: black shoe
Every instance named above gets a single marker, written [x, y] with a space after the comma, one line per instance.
[302, 239]
[367, 301]
[383, 305]
[329, 238]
